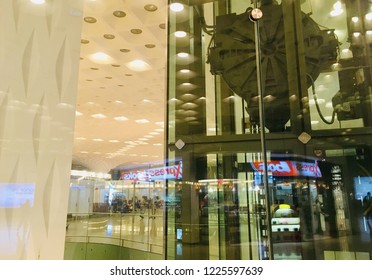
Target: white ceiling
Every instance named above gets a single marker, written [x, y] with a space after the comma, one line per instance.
[111, 88]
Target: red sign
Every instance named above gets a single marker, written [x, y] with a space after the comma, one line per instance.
[288, 168]
[160, 173]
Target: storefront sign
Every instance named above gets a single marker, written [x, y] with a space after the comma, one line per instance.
[288, 168]
[160, 173]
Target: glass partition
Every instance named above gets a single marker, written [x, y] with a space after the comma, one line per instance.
[271, 118]
[124, 213]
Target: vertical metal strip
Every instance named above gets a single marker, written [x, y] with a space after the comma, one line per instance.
[262, 131]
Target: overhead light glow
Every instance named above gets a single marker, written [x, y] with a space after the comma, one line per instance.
[98, 116]
[121, 118]
[180, 34]
[335, 13]
[38, 2]
[138, 65]
[101, 58]
[176, 7]
[337, 5]
[369, 16]
[183, 54]
[142, 121]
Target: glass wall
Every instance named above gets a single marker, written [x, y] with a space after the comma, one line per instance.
[123, 214]
[271, 117]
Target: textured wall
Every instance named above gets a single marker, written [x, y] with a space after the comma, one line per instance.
[39, 60]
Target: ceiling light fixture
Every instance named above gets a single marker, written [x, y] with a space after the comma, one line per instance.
[38, 2]
[142, 121]
[119, 14]
[101, 58]
[150, 8]
[138, 65]
[121, 118]
[90, 19]
[136, 31]
[98, 116]
[176, 7]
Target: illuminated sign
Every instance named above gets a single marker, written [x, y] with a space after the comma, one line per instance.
[288, 168]
[159, 173]
[14, 195]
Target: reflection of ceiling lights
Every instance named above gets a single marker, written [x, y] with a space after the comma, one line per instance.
[337, 9]
[180, 34]
[138, 65]
[176, 7]
[183, 54]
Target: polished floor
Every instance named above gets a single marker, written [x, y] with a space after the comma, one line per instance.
[145, 231]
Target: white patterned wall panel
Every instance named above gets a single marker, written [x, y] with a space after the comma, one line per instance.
[39, 60]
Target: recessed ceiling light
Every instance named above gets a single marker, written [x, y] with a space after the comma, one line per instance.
[83, 152]
[176, 7]
[101, 58]
[154, 133]
[120, 118]
[97, 140]
[84, 41]
[81, 138]
[138, 65]
[162, 25]
[38, 2]
[125, 50]
[142, 121]
[185, 71]
[136, 31]
[90, 19]
[119, 14]
[115, 65]
[143, 139]
[98, 116]
[150, 8]
[78, 114]
[114, 141]
[109, 36]
[150, 46]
